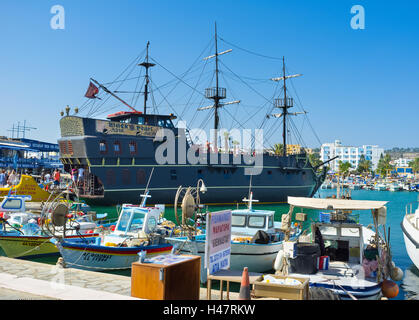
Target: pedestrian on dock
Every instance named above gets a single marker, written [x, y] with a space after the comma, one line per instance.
[74, 175]
[81, 174]
[2, 178]
[12, 178]
[57, 178]
[47, 177]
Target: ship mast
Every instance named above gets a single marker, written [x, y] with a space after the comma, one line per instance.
[216, 93]
[285, 104]
[217, 97]
[285, 109]
[146, 64]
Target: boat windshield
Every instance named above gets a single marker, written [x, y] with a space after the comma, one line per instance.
[137, 220]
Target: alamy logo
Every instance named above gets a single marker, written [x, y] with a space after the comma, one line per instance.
[173, 149]
[358, 20]
[58, 20]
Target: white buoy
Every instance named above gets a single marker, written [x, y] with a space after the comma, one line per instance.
[279, 260]
[396, 274]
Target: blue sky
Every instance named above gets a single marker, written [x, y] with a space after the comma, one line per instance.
[359, 86]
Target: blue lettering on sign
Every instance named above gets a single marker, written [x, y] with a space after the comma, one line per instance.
[220, 217]
[224, 263]
[215, 267]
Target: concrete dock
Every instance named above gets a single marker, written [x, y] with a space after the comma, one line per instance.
[28, 280]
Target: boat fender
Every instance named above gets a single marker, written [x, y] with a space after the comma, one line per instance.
[389, 289]
[279, 261]
[396, 274]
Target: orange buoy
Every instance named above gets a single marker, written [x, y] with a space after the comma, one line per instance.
[389, 289]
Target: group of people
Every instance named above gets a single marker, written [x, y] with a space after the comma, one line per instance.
[8, 178]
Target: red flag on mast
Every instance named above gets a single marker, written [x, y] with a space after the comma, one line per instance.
[92, 91]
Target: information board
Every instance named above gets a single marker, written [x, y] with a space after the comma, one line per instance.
[218, 241]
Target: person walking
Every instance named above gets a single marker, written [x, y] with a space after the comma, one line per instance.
[57, 178]
[74, 175]
[12, 178]
[2, 179]
[81, 174]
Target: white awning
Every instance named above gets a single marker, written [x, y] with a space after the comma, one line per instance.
[335, 204]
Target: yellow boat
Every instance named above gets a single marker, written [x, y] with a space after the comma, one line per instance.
[27, 247]
[19, 246]
[27, 187]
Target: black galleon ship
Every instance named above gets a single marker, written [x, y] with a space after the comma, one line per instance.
[119, 154]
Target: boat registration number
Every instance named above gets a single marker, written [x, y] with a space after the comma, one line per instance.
[87, 256]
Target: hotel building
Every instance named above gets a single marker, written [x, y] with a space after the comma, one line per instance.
[350, 154]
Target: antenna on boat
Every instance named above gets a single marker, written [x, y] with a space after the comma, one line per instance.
[216, 93]
[285, 104]
[250, 200]
[145, 195]
[146, 64]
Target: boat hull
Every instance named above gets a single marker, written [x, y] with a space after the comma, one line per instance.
[411, 239]
[27, 247]
[102, 258]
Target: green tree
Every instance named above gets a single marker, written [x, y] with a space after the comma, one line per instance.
[364, 166]
[278, 149]
[415, 165]
[314, 159]
[384, 165]
[344, 168]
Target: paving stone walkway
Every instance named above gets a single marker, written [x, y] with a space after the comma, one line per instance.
[19, 277]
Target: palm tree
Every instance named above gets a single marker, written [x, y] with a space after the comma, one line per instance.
[384, 165]
[278, 149]
[344, 168]
[415, 165]
[364, 166]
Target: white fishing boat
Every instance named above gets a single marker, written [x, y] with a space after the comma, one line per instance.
[380, 187]
[395, 187]
[247, 250]
[410, 228]
[356, 259]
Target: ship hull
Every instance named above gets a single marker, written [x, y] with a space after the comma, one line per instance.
[119, 166]
[224, 186]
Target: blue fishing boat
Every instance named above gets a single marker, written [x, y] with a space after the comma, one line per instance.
[139, 228]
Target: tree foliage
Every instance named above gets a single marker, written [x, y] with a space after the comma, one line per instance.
[344, 167]
[415, 165]
[364, 166]
[279, 149]
[384, 166]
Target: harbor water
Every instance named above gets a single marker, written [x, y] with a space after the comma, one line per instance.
[397, 201]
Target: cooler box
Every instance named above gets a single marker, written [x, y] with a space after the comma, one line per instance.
[305, 261]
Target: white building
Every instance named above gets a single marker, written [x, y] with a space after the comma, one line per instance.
[349, 154]
[402, 162]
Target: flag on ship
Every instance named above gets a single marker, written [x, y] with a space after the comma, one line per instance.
[92, 91]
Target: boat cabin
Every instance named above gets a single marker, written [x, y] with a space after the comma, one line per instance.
[135, 221]
[338, 231]
[248, 222]
[164, 121]
[14, 203]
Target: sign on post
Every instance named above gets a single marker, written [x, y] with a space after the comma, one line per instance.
[218, 241]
